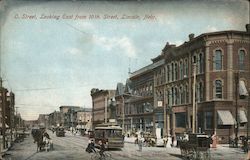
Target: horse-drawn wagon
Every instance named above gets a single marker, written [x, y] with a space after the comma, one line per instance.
[196, 147]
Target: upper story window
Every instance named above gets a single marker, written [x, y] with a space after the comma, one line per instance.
[218, 89]
[172, 69]
[181, 95]
[168, 72]
[186, 68]
[170, 102]
[241, 59]
[176, 96]
[218, 60]
[181, 70]
[176, 71]
[199, 92]
[173, 96]
[200, 63]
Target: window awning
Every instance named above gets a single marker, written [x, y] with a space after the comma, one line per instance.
[242, 89]
[6, 126]
[225, 117]
[242, 116]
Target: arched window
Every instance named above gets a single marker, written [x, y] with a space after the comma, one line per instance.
[181, 95]
[218, 60]
[184, 94]
[168, 73]
[201, 92]
[194, 59]
[200, 65]
[181, 70]
[172, 71]
[173, 96]
[176, 96]
[241, 59]
[197, 92]
[186, 68]
[170, 97]
[218, 89]
[176, 71]
[187, 94]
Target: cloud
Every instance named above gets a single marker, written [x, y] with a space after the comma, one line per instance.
[211, 29]
[122, 43]
[74, 51]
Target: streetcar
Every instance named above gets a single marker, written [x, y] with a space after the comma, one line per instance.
[110, 135]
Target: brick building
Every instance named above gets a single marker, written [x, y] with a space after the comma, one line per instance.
[101, 100]
[220, 61]
[84, 118]
[55, 119]
[68, 116]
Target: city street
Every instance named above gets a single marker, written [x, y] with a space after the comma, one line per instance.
[73, 147]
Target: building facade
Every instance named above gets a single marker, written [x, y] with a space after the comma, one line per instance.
[101, 100]
[207, 81]
[55, 119]
[68, 116]
[84, 118]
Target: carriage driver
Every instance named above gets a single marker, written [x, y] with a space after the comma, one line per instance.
[44, 133]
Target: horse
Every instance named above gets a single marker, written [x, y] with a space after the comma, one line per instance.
[38, 138]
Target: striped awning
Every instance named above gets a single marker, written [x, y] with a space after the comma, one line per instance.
[242, 89]
[242, 116]
[225, 117]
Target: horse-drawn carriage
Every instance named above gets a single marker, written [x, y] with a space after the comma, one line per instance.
[42, 139]
[196, 148]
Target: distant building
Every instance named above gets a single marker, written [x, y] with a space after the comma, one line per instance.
[30, 123]
[43, 120]
[68, 116]
[84, 118]
[101, 100]
[55, 119]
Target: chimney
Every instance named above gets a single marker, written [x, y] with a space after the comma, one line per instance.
[248, 28]
[191, 36]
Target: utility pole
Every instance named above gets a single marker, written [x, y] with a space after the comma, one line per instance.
[194, 106]
[236, 106]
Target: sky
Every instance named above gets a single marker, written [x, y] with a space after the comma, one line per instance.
[54, 61]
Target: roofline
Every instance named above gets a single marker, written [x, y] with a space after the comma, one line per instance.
[212, 34]
[147, 68]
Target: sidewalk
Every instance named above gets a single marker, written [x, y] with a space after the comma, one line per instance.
[129, 139]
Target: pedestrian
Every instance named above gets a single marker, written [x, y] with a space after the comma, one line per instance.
[140, 143]
[172, 145]
[91, 147]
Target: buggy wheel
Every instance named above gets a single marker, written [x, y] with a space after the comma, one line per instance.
[191, 154]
